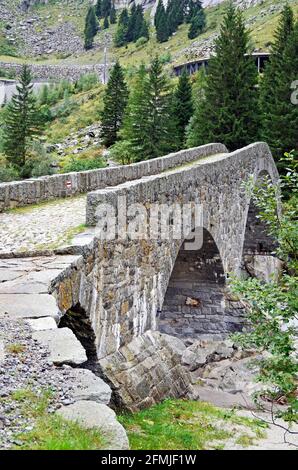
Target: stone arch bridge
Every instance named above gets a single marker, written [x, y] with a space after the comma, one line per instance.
[114, 294]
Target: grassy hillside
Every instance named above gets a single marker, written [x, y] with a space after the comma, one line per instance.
[261, 20]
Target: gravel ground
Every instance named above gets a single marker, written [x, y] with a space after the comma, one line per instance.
[28, 369]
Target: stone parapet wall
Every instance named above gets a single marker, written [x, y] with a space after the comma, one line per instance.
[55, 72]
[36, 190]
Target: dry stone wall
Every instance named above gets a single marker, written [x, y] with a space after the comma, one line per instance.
[55, 72]
[22, 193]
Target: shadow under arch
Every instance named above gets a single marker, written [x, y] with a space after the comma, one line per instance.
[197, 303]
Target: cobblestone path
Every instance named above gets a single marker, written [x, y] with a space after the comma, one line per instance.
[47, 225]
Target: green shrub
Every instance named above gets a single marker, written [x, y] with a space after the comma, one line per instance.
[39, 162]
[165, 58]
[86, 82]
[81, 164]
[122, 152]
[8, 173]
[141, 42]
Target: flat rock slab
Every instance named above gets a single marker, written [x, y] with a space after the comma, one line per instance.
[90, 414]
[8, 275]
[222, 399]
[90, 387]
[63, 346]
[28, 305]
[40, 324]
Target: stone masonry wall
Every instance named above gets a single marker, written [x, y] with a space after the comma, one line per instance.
[55, 72]
[121, 284]
[126, 282]
[35, 190]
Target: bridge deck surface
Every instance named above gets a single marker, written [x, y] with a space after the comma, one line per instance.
[47, 225]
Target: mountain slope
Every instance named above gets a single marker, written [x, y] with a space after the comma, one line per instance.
[52, 30]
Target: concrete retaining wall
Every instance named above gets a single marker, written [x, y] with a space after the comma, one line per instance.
[22, 193]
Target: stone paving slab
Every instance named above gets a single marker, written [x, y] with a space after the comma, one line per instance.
[64, 347]
[39, 227]
[28, 306]
[40, 324]
[25, 284]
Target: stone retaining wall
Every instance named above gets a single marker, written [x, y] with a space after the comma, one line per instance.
[22, 193]
[55, 72]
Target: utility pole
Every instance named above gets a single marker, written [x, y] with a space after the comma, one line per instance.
[105, 71]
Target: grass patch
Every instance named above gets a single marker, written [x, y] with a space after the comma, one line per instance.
[54, 433]
[184, 425]
[51, 432]
[15, 348]
[90, 104]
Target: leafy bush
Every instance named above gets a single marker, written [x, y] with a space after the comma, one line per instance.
[122, 152]
[8, 173]
[272, 307]
[165, 58]
[38, 163]
[83, 164]
[141, 42]
[65, 108]
[86, 82]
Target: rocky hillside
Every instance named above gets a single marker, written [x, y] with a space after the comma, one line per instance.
[53, 29]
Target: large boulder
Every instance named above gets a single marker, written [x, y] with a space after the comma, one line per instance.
[147, 370]
[90, 415]
[89, 387]
[203, 352]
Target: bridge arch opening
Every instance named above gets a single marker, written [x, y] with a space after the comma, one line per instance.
[197, 303]
[77, 320]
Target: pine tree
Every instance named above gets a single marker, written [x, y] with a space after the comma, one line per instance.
[159, 11]
[139, 24]
[229, 112]
[91, 28]
[174, 14]
[183, 107]
[106, 23]
[113, 14]
[197, 24]
[145, 30]
[121, 36]
[135, 128]
[162, 27]
[280, 125]
[106, 6]
[115, 101]
[149, 120]
[98, 9]
[191, 8]
[272, 101]
[132, 23]
[22, 122]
